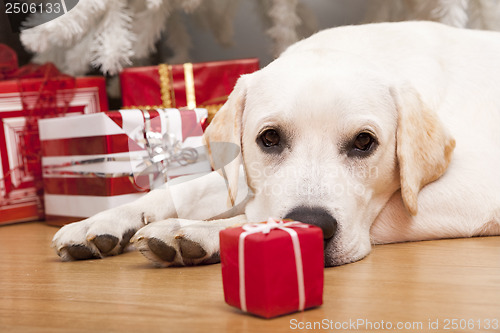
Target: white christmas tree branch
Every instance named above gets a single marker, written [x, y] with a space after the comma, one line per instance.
[189, 6]
[112, 48]
[284, 22]
[79, 56]
[451, 12]
[148, 26]
[178, 39]
[66, 29]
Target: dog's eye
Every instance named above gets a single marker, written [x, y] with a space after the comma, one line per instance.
[270, 138]
[364, 141]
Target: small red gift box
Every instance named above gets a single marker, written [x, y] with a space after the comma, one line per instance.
[96, 162]
[20, 197]
[206, 85]
[274, 268]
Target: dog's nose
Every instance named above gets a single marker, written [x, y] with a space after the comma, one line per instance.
[316, 216]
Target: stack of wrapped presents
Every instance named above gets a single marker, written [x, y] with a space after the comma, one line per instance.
[65, 156]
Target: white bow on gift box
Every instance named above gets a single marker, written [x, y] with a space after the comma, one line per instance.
[163, 151]
[266, 228]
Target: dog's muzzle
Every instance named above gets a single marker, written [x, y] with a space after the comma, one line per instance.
[316, 216]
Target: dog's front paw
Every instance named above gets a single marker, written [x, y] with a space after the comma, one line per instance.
[105, 234]
[178, 242]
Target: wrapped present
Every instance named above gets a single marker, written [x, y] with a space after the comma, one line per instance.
[274, 268]
[26, 95]
[95, 162]
[206, 85]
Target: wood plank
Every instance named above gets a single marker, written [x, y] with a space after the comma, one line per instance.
[413, 282]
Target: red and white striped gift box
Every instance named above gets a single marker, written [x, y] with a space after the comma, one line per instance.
[19, 200]
[95, 162]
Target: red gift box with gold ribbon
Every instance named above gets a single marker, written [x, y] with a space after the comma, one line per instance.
[205, 85]
[27, 94]
[274, 268]
[95, 162]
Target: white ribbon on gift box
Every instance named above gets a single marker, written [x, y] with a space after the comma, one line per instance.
[265, 228]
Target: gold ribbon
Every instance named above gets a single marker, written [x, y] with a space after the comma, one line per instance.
[166, 88]
[168, 94]
[189, 82]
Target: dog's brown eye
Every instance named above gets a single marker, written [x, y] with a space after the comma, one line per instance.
[363, 141]
[270, 138]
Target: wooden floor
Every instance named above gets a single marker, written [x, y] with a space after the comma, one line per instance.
[413, 284]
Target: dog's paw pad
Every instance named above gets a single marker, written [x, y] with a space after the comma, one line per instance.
[161, 250]
[214, 259]
[105, 243]
[126, 238]
[80, 252]
[191, 250]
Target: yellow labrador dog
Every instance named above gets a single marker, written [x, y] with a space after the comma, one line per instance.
[376, 133]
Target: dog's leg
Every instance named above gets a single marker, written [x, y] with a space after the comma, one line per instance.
[109, 232]
[178, 242]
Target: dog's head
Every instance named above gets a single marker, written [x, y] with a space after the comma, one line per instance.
[327, 141]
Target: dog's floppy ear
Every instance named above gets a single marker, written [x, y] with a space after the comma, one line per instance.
[223, 138]
[424, 147]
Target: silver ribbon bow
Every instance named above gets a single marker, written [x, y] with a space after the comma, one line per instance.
[163, 149]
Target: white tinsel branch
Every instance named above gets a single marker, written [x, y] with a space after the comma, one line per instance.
[148, 26]
[476, 14]
[283, 15]
[153, 4]
[178, 39]
[189, 6]
[66, 29]
[218, 17]
[78, 57]
[110, 34]
[112, 49]
[451, 12]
